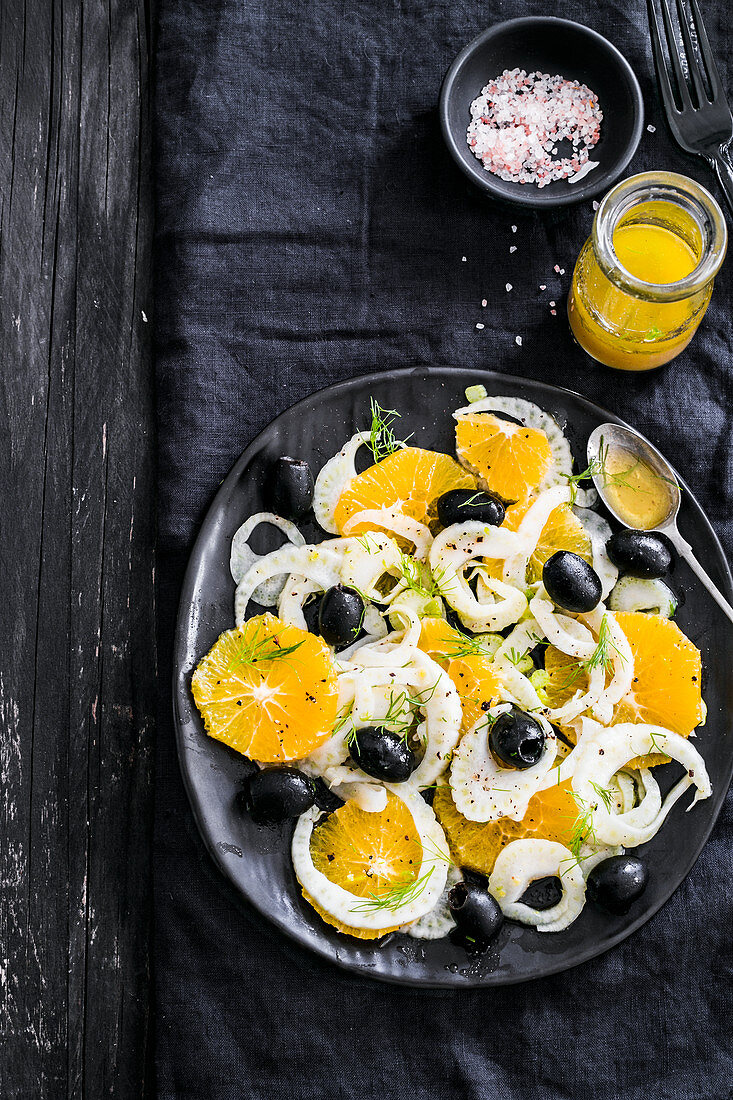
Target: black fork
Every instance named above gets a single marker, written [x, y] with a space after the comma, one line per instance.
[697, 110]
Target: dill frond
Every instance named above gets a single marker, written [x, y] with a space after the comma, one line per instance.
[394, 897]
[603, 654]
[258, 650]
[382, 441]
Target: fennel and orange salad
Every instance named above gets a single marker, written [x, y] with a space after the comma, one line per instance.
[461, 693]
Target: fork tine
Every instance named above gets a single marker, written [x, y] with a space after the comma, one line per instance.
[665, 86]
[693, 65]
[716, 84]
[682, 89]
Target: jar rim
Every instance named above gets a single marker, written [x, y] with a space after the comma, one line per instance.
[670, 187]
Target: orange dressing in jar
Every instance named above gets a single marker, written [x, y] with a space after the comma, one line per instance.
[643, 280]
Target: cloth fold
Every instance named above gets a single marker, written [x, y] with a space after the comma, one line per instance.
[311, 226]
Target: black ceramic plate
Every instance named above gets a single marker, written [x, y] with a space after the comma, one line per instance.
[257, 860]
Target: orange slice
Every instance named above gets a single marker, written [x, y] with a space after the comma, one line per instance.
[366, 854]
[566, 675]
[563, 531]
[409, 479]
[667, 675]
[551, 815]
[666, 686]
[440, 641]
[268, 690]
[473, 674]
[477, 684]
[511, 458]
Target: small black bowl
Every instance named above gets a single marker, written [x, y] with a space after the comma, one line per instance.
[551, 46]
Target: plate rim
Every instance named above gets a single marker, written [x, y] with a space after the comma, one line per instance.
[454, 980]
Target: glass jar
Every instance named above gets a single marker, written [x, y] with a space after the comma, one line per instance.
[643, 279]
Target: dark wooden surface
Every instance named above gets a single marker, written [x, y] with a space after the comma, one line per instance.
[76, 587]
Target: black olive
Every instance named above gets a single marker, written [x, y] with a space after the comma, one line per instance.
[640, 553]
[474, 909]
[289, 487]
[311, 607]
[617, 882]
[278, 793]
[537, 653]
[326, 799]
[382, 753]
[516, 739]
[543, 893]
[571, 583]
[459, 505]
[340, 615]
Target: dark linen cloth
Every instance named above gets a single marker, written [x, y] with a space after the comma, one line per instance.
[311, 226]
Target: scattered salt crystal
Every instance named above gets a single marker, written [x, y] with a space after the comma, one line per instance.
[553, 312]
[651, 129]
[596, 204]
[518, 341]
[508, 287]
[514, 229]
[145, 318]
[513, 248]
[556, 269]
[562, 270]
[463, 259]
[484, 303]
[542, 286]
[479, 326]
[552, 303]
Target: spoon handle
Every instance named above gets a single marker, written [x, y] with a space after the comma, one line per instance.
[685, 551]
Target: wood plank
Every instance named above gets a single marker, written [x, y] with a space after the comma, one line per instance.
[76, 621]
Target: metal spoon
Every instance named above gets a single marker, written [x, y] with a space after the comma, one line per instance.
[608, 435]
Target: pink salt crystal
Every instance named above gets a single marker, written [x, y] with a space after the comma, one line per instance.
[519, 119]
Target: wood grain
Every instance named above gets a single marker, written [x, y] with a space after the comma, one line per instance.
[76, 615]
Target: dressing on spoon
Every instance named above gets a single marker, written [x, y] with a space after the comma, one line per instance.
[639, 487]
[636, 492]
